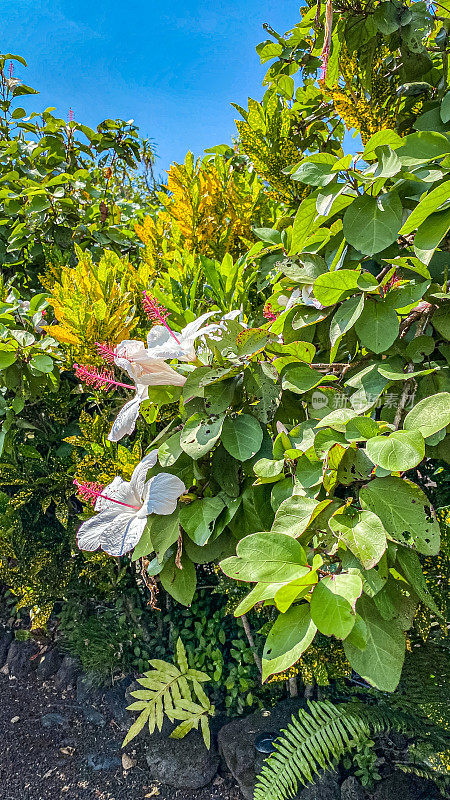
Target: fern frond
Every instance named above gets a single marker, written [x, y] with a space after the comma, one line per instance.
[312, 742]
[317, 739]
[427, 773]
[167, 692]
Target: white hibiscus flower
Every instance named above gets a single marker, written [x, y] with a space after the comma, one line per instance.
[305, 294]
[166, 344]
[132, 356]
[124, 506]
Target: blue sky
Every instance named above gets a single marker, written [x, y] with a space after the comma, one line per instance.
[172, 67]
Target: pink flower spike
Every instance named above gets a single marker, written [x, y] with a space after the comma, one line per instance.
[99, 379]
[11, 69]
[71, 115]
[106, 352]
[156, 312]
[90, 492]
[269, 314]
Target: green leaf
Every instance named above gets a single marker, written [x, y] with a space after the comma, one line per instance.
[300, 379]
[269, 469]
[269, 235]
[294, 515]
[378, 326]
[267, 558]
[332, 604]
[198, 518]
[170, 451]
[42, 363]
[430, 234]
[400, 451]
[359, 429]
[160, 533]
[363, 533]
[426, 206]
[200, 434]
[7, 356]
[337, 419]
[345, 317]
[408, 564]
[289, 637]
[445, 108]
[372, 223]
[417, 148]
[388, 162]
[430, 415]
[441, 321]
[287, 593]
[242, 436]
[179, 583]
[404, 511]
[380, 662]
[386, 137]
[331, 287]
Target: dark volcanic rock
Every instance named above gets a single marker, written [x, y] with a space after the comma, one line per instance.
[48, 664]
[326, 787]
[117, 700]
[5, 642]
[181, 763]
[52, 719]
[404, 786]
[19, 659]
[93, 716]
[351, 789]
[237, 742]
[66, 676]
[101, 761]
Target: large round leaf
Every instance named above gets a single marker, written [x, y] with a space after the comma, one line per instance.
[242, 436]
[330, 287]
[267, 557]
[430, 415]
[289, 637]
[300, 379]
[200, 434]
[345, 317]
[380, 662]
[378, 326]
[332, 604]
[400, 451]
[363, 533]
[404, 511]
[372, 223]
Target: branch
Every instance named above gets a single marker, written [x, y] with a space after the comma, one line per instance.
[251, 642]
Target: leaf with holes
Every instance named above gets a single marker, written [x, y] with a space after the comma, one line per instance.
[363, 533]
[200, 434]
[404, 511]
[289, 637]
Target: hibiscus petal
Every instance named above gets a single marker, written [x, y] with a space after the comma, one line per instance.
[124, 534]
[140, 472]
[157, 373]
[90, 533]
[162, 493]
[125, 422]
[128, 348]
[162, 345]
[193, 328]
[119, 490]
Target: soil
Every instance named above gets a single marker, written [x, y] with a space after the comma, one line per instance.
[62, 761]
